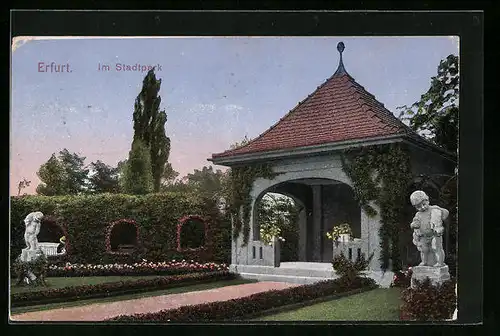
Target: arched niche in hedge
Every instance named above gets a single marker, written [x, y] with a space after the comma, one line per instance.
[192, 233]
[50, 237]
[122, 237]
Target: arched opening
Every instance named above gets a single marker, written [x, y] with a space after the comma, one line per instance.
[191, 233]
[52, 237]
[122, 237]
[281, 211]
[319, 205]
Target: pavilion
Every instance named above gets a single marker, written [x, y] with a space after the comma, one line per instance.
[304, 148]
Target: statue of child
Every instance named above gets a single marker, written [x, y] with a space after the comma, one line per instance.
[428, 229]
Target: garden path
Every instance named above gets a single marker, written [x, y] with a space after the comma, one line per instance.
[102, 311]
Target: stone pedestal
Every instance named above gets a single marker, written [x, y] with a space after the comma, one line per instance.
[29, 255]
[437, 275]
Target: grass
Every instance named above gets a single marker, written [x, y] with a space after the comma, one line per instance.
[381, 304]
[61, 282]
[178, 290]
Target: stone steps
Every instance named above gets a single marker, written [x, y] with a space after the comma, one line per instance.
[301, 273]
[283, 278]
[285, 271]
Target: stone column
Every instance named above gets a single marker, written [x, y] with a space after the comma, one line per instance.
[317, 225]
[302, 235]
[370, 227]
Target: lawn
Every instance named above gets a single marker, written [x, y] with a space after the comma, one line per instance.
[60, 282]
[178, 290]
[380, 304]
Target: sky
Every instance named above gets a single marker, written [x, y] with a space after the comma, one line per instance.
[215, 91]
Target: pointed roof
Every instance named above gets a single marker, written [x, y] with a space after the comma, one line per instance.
[338, 111]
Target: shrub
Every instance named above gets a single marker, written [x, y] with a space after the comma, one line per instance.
[85, 220]
[249, 305]
[348, 269]
[38, 267]
[427, 301]
[402, 278]
[115, 288]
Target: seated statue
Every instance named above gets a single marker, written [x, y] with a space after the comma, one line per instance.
[428, 229]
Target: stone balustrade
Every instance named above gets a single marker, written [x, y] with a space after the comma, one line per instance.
[352, 249]
[50, 249]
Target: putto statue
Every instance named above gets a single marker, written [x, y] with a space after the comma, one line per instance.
[428, 230]
[32, 224]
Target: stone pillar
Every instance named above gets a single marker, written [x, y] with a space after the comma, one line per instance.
[370, 227]
[317, 223]
[302, 235]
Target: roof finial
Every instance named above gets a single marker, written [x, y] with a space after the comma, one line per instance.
[340, 69]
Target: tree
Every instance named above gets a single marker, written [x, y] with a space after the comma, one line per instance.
[76, 175]
[52, 176]
[435, 115]
[21, 185]
[137, 177]
[206, 181]
[103, 178]
[149, 126]
[169, 175]
[63, 175]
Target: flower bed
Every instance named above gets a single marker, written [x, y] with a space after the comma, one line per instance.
[247, 306]
[115, 288]
[143, 268]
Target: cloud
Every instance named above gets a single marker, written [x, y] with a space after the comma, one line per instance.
[233, 108]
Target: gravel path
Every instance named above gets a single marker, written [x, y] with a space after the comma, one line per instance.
[102, 311]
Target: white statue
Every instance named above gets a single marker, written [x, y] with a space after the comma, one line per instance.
[32, 223]
[428, 229]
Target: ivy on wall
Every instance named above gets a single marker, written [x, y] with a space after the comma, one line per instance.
[381, 174]
[242, 179]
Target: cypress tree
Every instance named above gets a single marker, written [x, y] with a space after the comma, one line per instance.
[137, 176]
[149, 126]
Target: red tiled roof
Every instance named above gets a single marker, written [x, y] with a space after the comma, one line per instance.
[338, 110]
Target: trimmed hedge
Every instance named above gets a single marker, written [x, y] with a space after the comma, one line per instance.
[114, 288]
[247, 306]
[85, 220]
[427, 302]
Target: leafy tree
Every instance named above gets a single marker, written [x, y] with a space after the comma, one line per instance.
[169, 175]
[103, 178]
[435, 115]
[137, 178]
[149, 126]
[21, 185]
[63, 175]
[206, 181]
[75, 172]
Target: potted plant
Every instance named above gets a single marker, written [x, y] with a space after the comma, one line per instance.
[340, 233]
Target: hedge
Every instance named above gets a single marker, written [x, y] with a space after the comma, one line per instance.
[85, 220]
[247, 306]
[115, 288]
